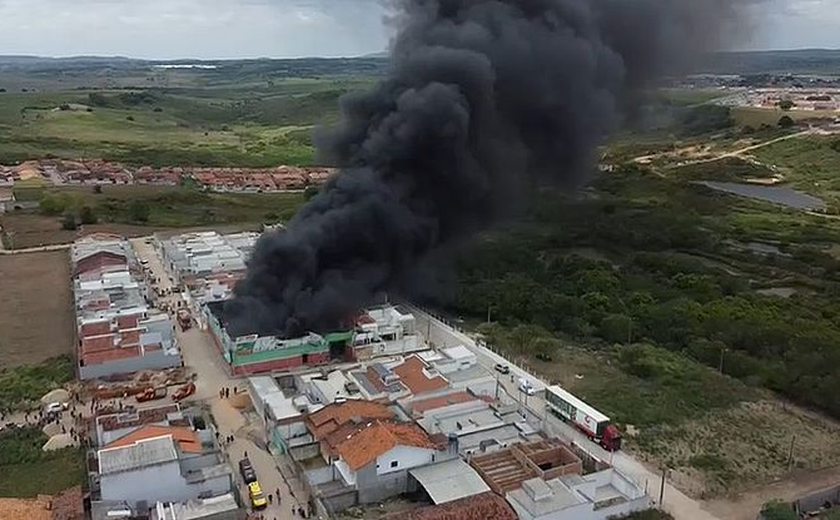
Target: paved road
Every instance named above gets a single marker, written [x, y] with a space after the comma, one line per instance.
[675, 502]
[202, 357]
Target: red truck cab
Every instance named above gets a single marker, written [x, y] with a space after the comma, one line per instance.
[611, 438]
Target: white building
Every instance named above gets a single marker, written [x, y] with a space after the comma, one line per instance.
[156, 469]
[596, 496]
[223, 507]
[386, 331]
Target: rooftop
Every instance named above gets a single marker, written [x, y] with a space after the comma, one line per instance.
[195, 509]
[419, 377]
[186, 438]
[450, 480]
[505, 470]
[418, 407]
[331, 417]
[146, 452]
[376, 438]
[270, 393]
[486, 506]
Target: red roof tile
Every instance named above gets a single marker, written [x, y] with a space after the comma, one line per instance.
[99, 328]
[186, 438]
[484, 506]
[333, 416]
[441, 401]
[412, 375]
[376, 438]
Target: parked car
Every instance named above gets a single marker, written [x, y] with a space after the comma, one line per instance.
[55, 407]
[502, 369]
[247, 471]
[255, 493]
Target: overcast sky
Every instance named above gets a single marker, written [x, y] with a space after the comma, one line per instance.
[161, 29]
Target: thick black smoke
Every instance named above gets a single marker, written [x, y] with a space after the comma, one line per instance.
[484, 99]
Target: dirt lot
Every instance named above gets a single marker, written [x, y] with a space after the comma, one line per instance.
[24, 230]
[731, 451]
[36, 310]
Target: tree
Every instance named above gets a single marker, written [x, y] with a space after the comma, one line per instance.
[69, 222]
[97, 99]
[97, 189]
[138, 211]
[129, 118]
[52, 204]
[778, 510]
[617, 328]
[87, 216]
[786, 122]
[786, 104]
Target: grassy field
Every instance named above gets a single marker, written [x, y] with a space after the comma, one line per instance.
[26, 471]
[37, 316]
[21, 386]
[143, 210]
[756, 117]
[228, 125]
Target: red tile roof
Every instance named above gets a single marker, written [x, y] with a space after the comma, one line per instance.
[335, 415]
[97, 344]
[98, 261]
[441, 401]
[99, 328]
[379, 437]
[128, 322]
[186, 438]
[411, 374]
[106, 356]
[484, 506]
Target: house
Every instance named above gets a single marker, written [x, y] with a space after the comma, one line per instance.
[476, 426]
[162, 464]
[597, 496]
[486, 506]
[376, 457]
[337, 416]
[282, 413]
[222, 507]
[386, 331]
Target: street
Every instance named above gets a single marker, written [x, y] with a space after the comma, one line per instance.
[674, 501]
[202, 358]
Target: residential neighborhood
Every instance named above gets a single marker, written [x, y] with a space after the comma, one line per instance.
[181, 421]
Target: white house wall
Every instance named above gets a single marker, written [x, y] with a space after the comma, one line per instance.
[407, 457]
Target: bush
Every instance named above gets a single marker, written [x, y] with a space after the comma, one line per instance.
[786, 122]
[24, 384]
[778, 510]
[87, 215]
[68, 223]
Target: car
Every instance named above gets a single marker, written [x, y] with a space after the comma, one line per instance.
[247, 471]
[55, 407]
[502, 369]
[255, 493]
[526, 387]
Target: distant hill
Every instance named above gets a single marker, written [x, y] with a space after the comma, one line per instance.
[800, 61]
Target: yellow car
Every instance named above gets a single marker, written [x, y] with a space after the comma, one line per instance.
[258, 500]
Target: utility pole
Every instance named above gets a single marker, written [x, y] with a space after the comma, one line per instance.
[790, 452]
[662, 486]
[720, 366]
[489, 306]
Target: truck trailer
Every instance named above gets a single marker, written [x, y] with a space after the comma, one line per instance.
[588, 420]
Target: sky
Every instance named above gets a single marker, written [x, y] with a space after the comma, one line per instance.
[217, 29]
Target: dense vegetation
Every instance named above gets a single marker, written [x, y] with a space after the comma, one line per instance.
[20, 386]
[668, 264]
[27, 471]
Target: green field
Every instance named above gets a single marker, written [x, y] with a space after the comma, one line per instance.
[240, 115]
[162, 206]
[26, 471]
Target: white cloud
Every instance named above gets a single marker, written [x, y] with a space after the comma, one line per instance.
[192, 28]
[290, 28]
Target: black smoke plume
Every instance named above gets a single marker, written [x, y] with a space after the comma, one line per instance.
[484, 100]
